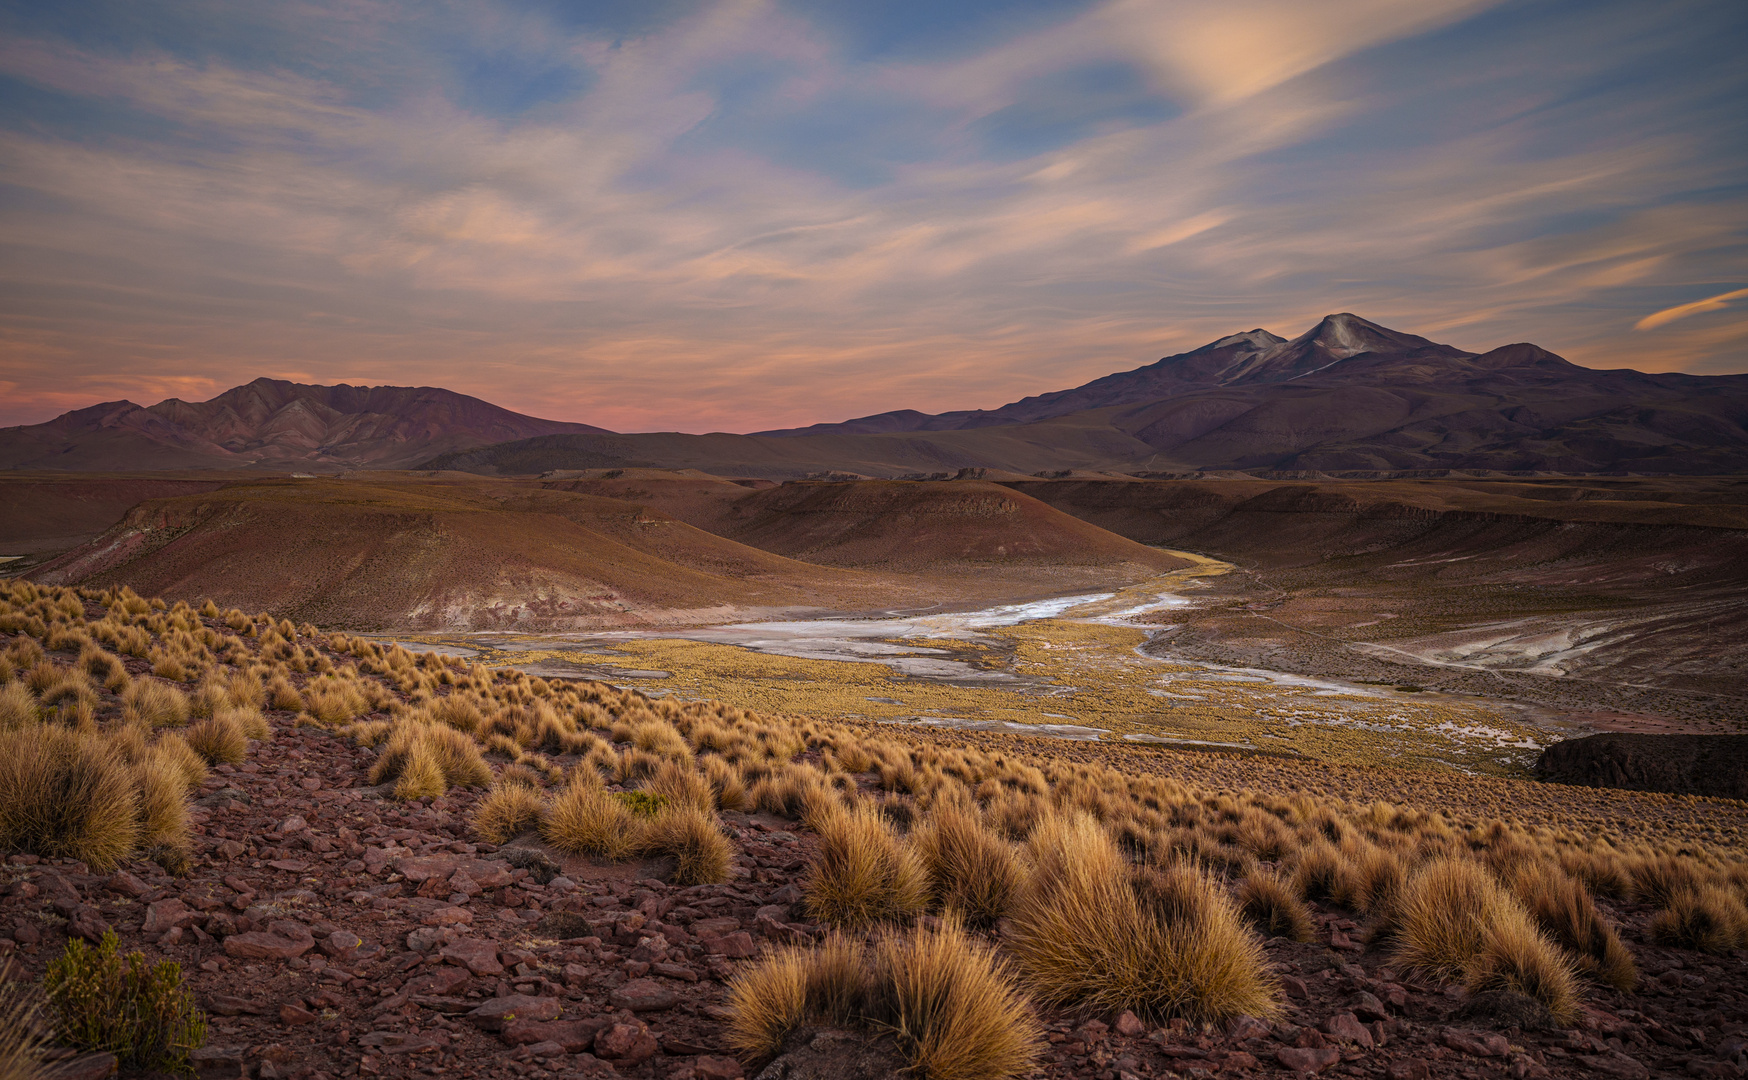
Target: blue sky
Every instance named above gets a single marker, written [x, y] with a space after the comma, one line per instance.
[690, 215]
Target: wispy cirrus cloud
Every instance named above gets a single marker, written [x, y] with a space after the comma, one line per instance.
[736, 214]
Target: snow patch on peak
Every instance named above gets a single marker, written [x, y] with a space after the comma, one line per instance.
[1256, 339]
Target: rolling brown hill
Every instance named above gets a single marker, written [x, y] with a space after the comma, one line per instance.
[1348, 395]
[453, 551]
[906, 526]
[271, 423]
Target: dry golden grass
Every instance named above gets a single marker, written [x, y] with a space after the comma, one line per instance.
[219, 740]
[865, 874]
[949, 1004]
[1516, 956]
[1273, 908]
[1565, 911]
[971, 870]
[1087, 934]
[18, 707]
[1660, 880]
[770, 999]
[66, 794]
[507, 811]
[1709, 919]
[21, 1041]
[584, 819]
[1442, 913]
[952, 1006]
[163, 801]
[1111, 878]
[155, 703]
[421, 777]
[691, 836]
[248, 719]
[174, 750]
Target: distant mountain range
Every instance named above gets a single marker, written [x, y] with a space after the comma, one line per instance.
[1347, 395]
[274, 424]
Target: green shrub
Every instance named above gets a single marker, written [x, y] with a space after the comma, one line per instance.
[642, 803]
[101, 1000]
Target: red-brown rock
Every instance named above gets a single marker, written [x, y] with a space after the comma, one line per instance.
[626, 1044]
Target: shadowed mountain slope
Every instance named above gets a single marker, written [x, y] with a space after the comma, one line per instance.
[270, 423]
[1348, 395]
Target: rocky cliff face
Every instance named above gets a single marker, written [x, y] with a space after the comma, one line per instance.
[1678, 764]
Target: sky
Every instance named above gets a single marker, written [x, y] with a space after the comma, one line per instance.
[730, 215]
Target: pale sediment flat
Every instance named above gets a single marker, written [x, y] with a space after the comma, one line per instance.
[1069, 667]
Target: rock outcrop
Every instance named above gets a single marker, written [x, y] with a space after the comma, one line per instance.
[1677, 764]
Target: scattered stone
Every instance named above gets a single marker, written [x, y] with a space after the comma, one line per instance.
[1614, 1064]
[1307, 1061]
[448, 916]
[474, 954]
[1409, 1069]
[396, 1042]
[341, 945]
[644, 995]
[1346, 1027]
[574, 1036]
[296, 1015]
[708, 1067]
[282, 940]
[736, 946]
[226, 1005]
[1485, 1044]
[494, 1014]
[626, 1044]
[1129, 1025]
[563, 926]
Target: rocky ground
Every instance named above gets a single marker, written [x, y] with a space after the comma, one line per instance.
[332, 932]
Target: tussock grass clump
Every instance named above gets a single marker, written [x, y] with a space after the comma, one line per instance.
[1439, 920]
[1565, 911]
[952, 1006]
[453, 753]
[174, 751]
[681, 786]
[154, 703]
[1516, 957]
[1707, 919]
[584, 819]
[1089, 933]
[457, 712]
[1270, 905]
[219, 739]
[1454, 922]
[1317, 874]
[693, 838]
[971, 870]
[421, 777]
[1660, 880]
[791, 987]
[163, 795]
[249, 720]
[864, 873]
[18, 706]
[947, 1001]
[20, 1040]
[65, 794]
[101, 1000]
[507, 811]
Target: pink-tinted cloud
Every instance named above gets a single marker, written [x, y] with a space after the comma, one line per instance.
[732, 220]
